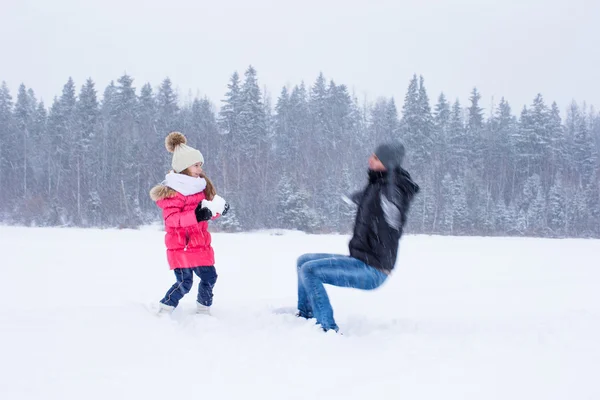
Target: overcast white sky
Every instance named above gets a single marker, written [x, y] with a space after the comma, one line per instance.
[510, 48]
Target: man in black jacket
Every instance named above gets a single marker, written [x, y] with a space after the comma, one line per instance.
[382, 211]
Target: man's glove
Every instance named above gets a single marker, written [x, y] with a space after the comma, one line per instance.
[202, 213]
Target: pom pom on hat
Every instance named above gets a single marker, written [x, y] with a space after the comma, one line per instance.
[173, 140]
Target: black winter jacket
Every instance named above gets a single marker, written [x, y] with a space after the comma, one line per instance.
[382, 211]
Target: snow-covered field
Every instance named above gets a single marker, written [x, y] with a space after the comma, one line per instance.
[461, 318]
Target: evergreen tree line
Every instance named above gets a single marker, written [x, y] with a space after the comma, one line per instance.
[91, 163]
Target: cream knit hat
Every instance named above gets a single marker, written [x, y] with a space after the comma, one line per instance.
[184, 156]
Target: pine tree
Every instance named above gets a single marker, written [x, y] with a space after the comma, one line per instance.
[23, 115]
[300, 134]
[39, 135]
[478, 201]
[536, 214]
[457, 141]
[474, 132]
[340, 119]
[252, 116]
[583, 149]
[68, 111]
[293, 211]
[577, 214]
[460, 217]
[269, 116]
[319, 140]
[426, 125]
[441, 117]
[205, 122]
[155, 163]
[341, 124]
[540, 124]
[557, 208]
[87, 160]
[523, 140]
[521, 223]
[392, 121]
[6, 128]
[592, 203]
[379, 129]
[595, 132]
[425, 205]
[253, 139]
[62, 126]
[500, 155]
[441, 126]
[285, 144]
[446, 217]
[417, 124]
[318, 104]
[125, 141]
[52, 165]
[533, 205]
[229, 122]
[229, 116]
[167, 108]
[109, 191]
[557, 138]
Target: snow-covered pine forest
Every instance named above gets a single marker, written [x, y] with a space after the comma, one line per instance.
[90, 158]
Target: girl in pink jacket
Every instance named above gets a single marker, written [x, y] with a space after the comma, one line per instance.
[188, 201]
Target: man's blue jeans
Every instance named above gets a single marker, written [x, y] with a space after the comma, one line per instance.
[315, 270]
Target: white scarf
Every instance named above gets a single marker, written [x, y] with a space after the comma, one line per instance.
[184, 184]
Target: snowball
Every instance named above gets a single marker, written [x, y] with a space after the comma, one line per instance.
[216, 206]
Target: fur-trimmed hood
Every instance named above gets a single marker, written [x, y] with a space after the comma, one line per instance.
[160, 192]
[177, 183]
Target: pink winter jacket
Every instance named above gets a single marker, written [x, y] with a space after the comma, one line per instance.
[188, 241]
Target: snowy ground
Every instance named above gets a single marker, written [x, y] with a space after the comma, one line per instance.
[462, 318]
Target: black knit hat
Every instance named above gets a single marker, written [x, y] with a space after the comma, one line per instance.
[390, 154]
